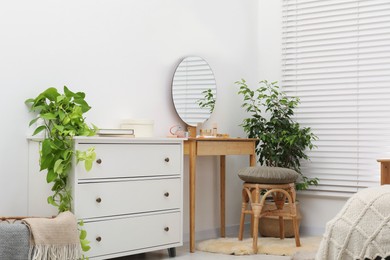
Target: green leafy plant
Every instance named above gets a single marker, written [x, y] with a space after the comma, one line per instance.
[282, 141]
[62, 119]
[208, 101]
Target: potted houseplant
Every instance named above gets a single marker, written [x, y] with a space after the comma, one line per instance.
[60, 118]
[282, 141]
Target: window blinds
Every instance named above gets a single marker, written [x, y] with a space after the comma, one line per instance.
[336, 59]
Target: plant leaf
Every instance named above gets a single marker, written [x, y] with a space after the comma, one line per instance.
[33, 121]
[51, 176]
[51, 94]
[48, 116]
[57, 166]
[39, 129]
[83, 234]
[85, 245]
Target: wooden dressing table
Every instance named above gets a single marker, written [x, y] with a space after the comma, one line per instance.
[221, 147]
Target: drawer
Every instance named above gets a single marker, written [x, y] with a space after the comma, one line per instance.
[133, 233]
[129, 196]
[131, 160]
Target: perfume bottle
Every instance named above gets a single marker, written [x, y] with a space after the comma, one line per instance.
[214, 130]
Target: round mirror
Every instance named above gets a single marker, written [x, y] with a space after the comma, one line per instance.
[194, 90]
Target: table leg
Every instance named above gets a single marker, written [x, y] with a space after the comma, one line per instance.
[252, 159]
[222, 169]
[385, 173]
[252, 163]
[192, 162]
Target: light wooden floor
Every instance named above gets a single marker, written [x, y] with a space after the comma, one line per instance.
[182, 253]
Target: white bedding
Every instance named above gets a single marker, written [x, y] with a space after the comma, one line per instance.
[361, 229]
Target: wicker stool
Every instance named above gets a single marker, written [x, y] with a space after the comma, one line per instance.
[262, 182]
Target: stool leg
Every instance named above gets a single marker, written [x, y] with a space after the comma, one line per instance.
[256, 208]
[253, 196]
[295, 224]
[281, 228]
[296, 231]
[280, 199]
[242, 220]
[292, 193]
[245, 200]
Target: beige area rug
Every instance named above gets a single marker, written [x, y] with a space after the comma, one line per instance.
[266, 245]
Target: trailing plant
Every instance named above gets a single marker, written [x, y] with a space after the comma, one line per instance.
[282, 141]
[62, 119]
[208, 101]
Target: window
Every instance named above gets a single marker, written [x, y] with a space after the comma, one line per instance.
[336, 59]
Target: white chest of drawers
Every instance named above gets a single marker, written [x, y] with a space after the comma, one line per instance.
[132, 200]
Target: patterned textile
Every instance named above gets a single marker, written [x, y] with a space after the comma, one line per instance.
[361, 229]
[14, 241]
[54, 239]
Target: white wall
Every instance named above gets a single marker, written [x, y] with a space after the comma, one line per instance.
[122, 54]
[316, 211]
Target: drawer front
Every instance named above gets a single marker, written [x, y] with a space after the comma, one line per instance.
[130, 196]
[133, 233]
[131, 160]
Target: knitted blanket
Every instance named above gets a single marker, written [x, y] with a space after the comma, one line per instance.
[54, 239]
[361, 229]
[14, 240]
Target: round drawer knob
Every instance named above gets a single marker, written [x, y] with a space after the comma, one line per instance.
[99, 239]
[98, 200]
[166, 229]
[99, 161]
[166, 159]
[166, 194]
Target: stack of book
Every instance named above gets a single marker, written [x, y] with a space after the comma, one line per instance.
[116, 132]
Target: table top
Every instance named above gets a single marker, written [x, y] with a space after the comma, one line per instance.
[234, 139]
[383, 160]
